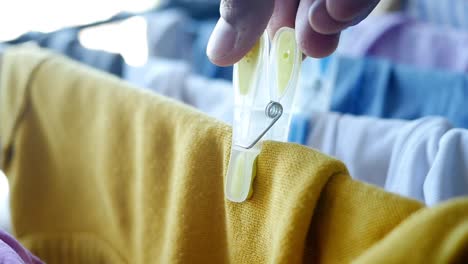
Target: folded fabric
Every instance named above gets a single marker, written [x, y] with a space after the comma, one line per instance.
[413, 158]
[119, 175]
[12, 252]
[451, 13]
[380, 88]
[402, 39]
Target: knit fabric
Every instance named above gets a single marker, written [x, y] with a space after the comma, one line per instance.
[101, 172]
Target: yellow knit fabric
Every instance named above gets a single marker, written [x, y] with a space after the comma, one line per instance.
[101, 172]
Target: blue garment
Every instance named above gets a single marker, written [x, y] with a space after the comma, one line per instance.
[379, 88]
[299, 129]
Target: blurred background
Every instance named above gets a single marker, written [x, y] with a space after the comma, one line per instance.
[51, 15]
[23, 16]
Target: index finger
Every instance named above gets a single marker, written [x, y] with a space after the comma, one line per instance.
[241, 24]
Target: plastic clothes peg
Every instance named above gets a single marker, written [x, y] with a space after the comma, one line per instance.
[265, 86]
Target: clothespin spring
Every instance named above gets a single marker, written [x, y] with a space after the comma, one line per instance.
[273, 110]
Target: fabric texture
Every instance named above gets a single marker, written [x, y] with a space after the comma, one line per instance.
[102, 173]
[405, 40]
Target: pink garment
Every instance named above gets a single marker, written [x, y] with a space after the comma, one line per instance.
[404, 40]
[11, 251]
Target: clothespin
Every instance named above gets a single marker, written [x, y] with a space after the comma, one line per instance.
[265, 83]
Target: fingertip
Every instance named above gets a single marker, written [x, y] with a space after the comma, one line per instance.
[342, 10]
[242, 22]
[312, 43]
[221, 43]
[318, 45]
[229, 59]
[224, 61]
[349, 10]
[321, 22]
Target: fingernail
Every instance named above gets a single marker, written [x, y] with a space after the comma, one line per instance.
[222, 40]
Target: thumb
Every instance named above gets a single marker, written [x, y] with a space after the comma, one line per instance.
[242, 22]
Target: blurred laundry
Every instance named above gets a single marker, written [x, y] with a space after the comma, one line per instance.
[411, 157]
[451, 13]
[130, 167]
[379, 88]
[175, 79]
[120, 175]
[404, 40]
[174, 34]
[66, 42]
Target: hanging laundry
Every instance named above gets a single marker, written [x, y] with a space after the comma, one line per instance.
[452, 13]
[176, 79]
[66, 42]
[119, 175]
[363, 143]
[174, 34]
[404, 40]
[169, 34]
[381, 89]
[411, 158]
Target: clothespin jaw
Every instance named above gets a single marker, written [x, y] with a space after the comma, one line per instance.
[265, 85]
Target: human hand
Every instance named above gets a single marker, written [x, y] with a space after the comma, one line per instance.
[318, 24]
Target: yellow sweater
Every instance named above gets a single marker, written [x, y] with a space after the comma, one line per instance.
[101, 172]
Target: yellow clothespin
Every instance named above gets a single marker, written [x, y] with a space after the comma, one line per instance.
[265, 82]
